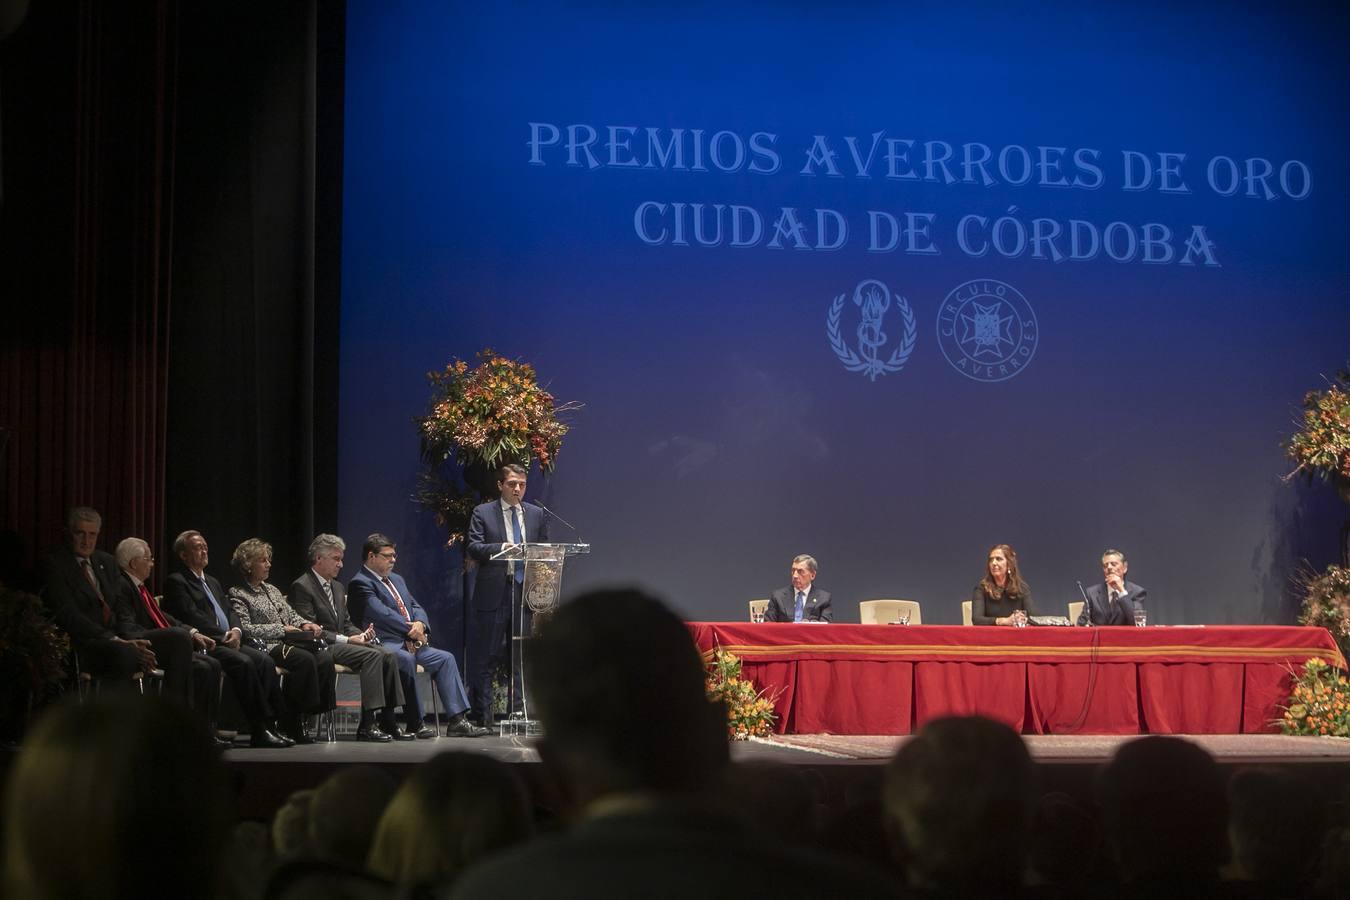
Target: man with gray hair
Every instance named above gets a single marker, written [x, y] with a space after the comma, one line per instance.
[803, 601]
[81, 589]
[318, 596]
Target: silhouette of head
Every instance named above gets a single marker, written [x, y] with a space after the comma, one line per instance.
[958, 799]
[1164, 810]
[620, 688]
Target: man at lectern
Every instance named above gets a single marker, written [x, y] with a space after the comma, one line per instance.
[803, 602]
[1114, 601]
[494, 525]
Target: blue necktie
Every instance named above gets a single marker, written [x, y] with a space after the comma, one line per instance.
[223, 622]
[517, 538]
[800, 608]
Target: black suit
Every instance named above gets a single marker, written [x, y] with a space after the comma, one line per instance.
[783, 603]
[136, 621]
[1104, 611]
[376, 666]
[90, 622]
[251, 672]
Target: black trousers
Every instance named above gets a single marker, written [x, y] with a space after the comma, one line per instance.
[253, 678]
[206, 676]
[309, 687]
[173, 653]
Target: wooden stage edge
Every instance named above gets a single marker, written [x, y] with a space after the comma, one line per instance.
[839, 765]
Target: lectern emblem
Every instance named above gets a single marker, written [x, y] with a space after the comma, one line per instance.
[987, 330]
[874, 300]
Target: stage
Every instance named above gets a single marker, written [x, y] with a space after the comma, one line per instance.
[837, 764]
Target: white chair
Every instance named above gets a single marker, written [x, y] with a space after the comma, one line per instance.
[757, 609]
[1075, 610]
[884, 612]
[967, 612]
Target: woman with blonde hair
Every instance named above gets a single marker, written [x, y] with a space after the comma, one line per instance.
[264, 614]
[455, 810]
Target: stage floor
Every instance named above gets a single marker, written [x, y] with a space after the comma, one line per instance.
[265, 778]
[813, 749]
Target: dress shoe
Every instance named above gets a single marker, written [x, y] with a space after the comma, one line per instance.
[460, 726]
[425, 733]
[264, 738]
[373, 734]
[295, 730]
[396, 732]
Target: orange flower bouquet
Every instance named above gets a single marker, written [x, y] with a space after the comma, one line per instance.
[477, 420]
[749, 711]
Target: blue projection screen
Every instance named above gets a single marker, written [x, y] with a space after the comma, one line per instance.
[881, 284]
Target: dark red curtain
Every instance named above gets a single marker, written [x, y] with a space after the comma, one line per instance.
[88, 106]
[170, 207]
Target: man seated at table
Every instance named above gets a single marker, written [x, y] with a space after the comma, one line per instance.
[1114, 601]
[803, 602]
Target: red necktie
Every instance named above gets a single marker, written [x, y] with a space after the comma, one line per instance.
[153, 608]
[397, 599]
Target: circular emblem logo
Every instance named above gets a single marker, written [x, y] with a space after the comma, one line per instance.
[873, 300]
[987, 330]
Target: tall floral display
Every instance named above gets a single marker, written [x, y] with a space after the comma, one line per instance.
[479, 419]
[1321, 446]
[1321, 449]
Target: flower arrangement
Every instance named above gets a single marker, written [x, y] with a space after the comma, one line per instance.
[1320, 702]
[479, 419]
[749, 712]
[1326, 603]
[25, 630]
[1321, 446]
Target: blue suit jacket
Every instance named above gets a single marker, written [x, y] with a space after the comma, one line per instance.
[486, 536]
[1104, 612]
[368, 600]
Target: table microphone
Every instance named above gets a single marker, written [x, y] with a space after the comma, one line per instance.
[560, 519]
[1087, 605]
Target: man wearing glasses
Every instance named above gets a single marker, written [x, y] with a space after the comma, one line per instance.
[379, 596]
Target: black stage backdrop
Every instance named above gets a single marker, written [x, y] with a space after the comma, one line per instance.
[169, 273]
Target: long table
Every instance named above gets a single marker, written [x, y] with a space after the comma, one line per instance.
[891, 679]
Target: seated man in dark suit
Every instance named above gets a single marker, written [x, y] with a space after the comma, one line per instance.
[138, 615]
[1114, 601]
[196, 598]
[645, 785]
[381, 597]
[82, 583]
[318, 596]
[803, 602]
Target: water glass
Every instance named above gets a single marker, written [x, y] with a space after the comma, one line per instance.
[902, 619]
[757, 616]
[1140, 617]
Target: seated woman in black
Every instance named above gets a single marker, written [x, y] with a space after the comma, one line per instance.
[1001, 597]
[310, 685]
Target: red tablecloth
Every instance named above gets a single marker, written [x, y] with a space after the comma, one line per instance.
[885, 679]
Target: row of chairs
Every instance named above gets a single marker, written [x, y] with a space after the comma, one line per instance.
[886, 611]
